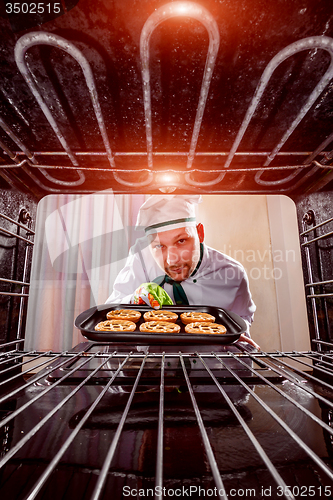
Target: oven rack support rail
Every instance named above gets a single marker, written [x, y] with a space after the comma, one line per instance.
[312, 287]
[24, 223]
[310, 372]
[30, 163]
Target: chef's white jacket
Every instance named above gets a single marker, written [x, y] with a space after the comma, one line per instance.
[220, 281]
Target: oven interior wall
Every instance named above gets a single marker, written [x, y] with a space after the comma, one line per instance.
[319, 207]
[15, 261]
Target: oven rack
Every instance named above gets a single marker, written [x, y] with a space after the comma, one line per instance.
[310, 372]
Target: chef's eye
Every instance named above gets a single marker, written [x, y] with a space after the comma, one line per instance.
[182, 240]
[158, 247]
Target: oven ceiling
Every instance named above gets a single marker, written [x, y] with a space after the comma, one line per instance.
[284, 46]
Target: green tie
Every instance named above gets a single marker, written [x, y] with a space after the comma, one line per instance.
[178, 291]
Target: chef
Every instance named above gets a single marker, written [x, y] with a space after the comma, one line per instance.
[174, 256]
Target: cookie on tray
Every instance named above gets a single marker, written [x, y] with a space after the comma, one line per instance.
[115, 325]
[126, 314]
[160, 315]
[195, 316]
[204, 327]
[159, 327]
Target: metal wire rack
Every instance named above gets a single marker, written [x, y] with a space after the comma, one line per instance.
[120, 422]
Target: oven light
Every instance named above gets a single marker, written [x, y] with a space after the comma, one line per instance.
[183, 8]
[168, 182]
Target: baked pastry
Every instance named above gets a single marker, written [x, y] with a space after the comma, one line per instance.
[126, 314]
[115, 325]
[160, 315]
[204, 327]
[193, 316]
[159, 327]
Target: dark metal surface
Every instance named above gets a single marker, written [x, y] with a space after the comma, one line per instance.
[15, 261]
[316, 226]
[87, 320]
[112, 136]
[256, 422]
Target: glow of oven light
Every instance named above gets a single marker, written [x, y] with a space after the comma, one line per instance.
[168, 182]
[186, 8]
[167, 178]
[183, 8]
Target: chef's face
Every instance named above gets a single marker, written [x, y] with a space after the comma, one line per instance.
[177, 251]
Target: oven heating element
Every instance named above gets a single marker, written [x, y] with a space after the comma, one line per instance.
[261, 376]
[28, 160]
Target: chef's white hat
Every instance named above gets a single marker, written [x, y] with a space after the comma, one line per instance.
[165, 212]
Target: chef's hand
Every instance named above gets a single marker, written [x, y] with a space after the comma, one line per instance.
[244, 338]
[153, 295]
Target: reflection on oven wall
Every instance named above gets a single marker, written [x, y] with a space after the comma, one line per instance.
[82, 243]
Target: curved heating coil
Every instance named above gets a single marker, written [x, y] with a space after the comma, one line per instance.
[176, 9]
[42, 38]
[315, 42]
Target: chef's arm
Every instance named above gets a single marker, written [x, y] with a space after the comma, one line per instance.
[244, 338]
[119, 298]
[247, 307]
[127, 281]
[248, 324]
[243, 304]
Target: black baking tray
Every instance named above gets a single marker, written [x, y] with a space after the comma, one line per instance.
[87, 320]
